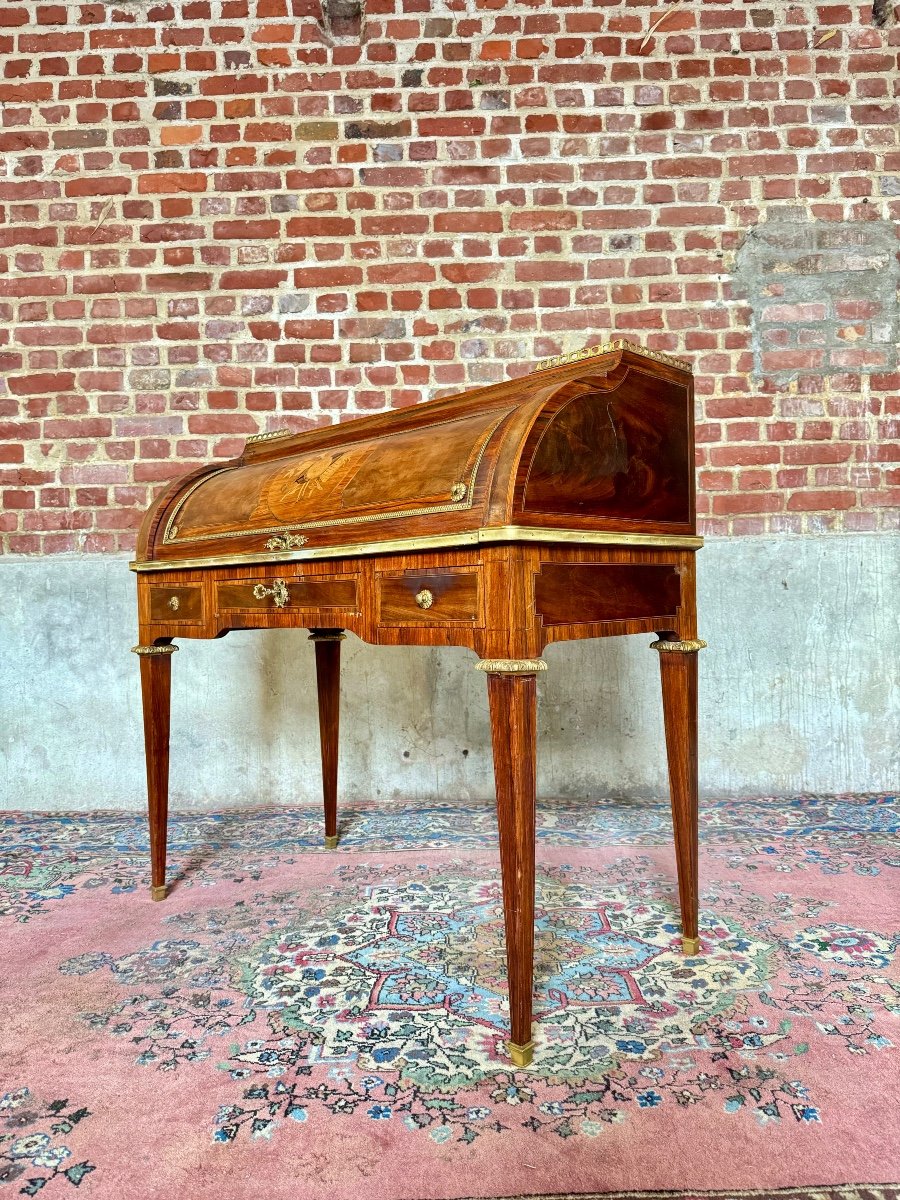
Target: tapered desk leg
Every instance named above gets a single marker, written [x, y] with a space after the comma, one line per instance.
[156, 679]
[328, 682]
[678, 671]
[512, 698]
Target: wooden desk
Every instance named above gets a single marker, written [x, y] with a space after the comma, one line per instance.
[548, 508]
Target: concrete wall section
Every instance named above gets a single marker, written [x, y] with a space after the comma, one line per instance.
[799, 692]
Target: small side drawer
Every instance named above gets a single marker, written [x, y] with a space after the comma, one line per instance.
[183, 603]
[427, 597]
[281, 593]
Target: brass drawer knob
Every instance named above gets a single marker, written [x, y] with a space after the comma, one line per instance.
[278, 591]
[174, 603]
[424, 599]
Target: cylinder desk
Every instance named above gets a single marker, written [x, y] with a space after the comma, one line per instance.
[555, 506]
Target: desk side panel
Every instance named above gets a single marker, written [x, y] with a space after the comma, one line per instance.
[612, 453]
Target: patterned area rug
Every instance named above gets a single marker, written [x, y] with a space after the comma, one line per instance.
[296, 1022]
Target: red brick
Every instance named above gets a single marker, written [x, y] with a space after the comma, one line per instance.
[728, 505]
[825, 452]
[692, 215]
[252, 279]
[180, 281]
[789, 313]
[743, 456]
[116, 334]
[86, 427]
[685, 167]
[792, 360]
[322, 227]
[209, 423]
[763, 164]
[42, 384]
[167, 182]
[468, 222]
[188, 220]
[91, 185]
[820, 501]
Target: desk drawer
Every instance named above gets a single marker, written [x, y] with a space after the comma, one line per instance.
[427, 597]
[181, 604]
[281, 593]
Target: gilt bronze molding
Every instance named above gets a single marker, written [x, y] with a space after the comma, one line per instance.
[286, 541]
[689, 646]
[511, 666]
[562, 360]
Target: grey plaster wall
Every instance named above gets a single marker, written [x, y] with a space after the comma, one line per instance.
[799, 692]
[822, 294]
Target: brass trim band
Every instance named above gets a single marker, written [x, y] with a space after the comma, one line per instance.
[437, 541]
[142, 650]
[588, 537]
[327, 637]
[686, 647]
[511, 666]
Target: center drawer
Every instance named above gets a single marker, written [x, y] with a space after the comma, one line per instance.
[427, 597]
[282, 593]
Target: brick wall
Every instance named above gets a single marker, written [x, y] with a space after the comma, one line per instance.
[223, 216]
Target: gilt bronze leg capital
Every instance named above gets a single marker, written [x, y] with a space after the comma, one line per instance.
[511, 666]
[688, 646]
[143, 650]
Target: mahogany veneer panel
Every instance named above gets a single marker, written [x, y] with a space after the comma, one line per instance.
[583, 593]
[615, 453]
